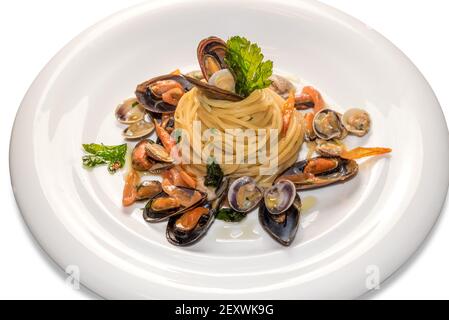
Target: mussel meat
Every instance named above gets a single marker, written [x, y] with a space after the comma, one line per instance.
[211, 54]
[191, 226]
[244, 194]
[319, 172]
[356, 121]
[163, 206]
[150, 156]
[284, 226]
[162, 94]
[148, 189]
[327, 125]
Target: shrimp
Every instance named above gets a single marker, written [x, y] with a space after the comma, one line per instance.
[130, 189]
[287, 111]
[188, 179]
[362, 152]
[308, 119]
[303, 102]
[315, 96]
[167, 141]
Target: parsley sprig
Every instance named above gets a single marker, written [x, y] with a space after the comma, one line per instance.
[245, 61]
[98, 154]
[229, 215]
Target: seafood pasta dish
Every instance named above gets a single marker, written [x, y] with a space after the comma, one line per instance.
[228, 140]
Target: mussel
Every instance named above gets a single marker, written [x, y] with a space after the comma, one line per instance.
[148, 189]
[327, 125]
[192, 225]
[281, 226]
[211, 54]
[244, 194]
[356, 121]
[162, 94]
[150, 156]
[319, 172]
[163, 206]
[219, 82]
[214, 92]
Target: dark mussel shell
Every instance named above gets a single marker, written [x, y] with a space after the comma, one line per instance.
[214, 92]
[282, 227]
[152, 216]
[345, 170]
[211, 54]
[185, 238]
[154, 103]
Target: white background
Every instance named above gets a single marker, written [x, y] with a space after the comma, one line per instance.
[33, 31]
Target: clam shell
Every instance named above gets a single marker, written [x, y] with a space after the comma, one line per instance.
[249, 203]
[280, 196]
[281, 85]
[129, 111]
[356, 121]
[157, 152]
[138, 130]
[327, 125]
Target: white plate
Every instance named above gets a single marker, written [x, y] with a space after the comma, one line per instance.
[356, 230]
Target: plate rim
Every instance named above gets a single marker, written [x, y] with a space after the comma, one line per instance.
[82, 38]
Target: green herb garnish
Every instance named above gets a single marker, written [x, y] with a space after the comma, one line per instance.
[214, 175]
[113, 156]
[245, 61]
[229, 215]
[135, 104]
[177, 135]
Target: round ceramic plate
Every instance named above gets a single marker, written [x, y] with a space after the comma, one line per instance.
[351, 235]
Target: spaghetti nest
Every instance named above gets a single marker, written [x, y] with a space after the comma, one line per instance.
[240, 156]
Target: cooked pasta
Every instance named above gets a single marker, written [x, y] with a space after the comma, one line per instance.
[241, 156]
